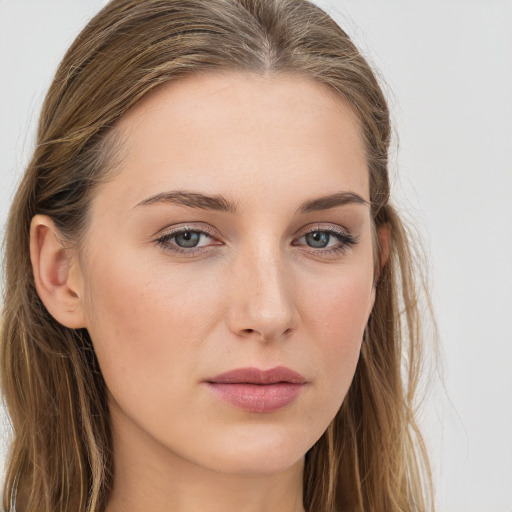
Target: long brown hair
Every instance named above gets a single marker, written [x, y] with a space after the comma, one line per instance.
[371, 457]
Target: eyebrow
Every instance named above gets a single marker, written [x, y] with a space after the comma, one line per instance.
[331, 201]
[221, 204]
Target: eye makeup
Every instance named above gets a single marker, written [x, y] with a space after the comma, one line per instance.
[186, 240]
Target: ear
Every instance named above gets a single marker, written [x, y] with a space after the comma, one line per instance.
[57, 274]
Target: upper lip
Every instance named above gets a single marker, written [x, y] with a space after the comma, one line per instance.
[252, 375]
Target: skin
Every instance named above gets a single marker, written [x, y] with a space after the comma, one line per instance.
[256, 293]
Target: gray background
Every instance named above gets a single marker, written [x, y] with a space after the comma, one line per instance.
[448, 68]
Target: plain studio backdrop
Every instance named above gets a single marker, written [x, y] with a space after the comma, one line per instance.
[448, 71]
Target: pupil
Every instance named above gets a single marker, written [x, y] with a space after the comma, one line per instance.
[318, 239]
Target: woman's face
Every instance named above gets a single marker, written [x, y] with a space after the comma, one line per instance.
[236, 235]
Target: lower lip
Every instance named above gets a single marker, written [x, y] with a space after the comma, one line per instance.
[256, 397]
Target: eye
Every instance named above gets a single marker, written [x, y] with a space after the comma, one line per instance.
[327, 241]
[185, 240]
[190, 241]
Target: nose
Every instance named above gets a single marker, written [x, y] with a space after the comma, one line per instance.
[262, 302]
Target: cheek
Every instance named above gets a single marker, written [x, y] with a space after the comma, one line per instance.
[336, 316]
[147, 323]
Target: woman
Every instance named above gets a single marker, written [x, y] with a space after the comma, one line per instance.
[209, 297]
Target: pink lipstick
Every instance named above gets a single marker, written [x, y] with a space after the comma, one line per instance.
[255, 390]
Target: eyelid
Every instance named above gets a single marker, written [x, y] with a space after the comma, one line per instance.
[327, 228]
[202, 228]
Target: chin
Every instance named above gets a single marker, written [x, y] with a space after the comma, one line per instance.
[258, 454]
[254, 465]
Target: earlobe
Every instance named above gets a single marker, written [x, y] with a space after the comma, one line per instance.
[57, 275]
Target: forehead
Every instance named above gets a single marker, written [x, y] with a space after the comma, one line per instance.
[246, 132]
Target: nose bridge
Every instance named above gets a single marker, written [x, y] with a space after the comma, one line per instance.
[263, 301]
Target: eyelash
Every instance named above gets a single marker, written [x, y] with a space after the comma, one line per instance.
[345, 239]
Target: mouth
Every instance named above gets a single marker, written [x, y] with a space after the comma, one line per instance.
[256, 390]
